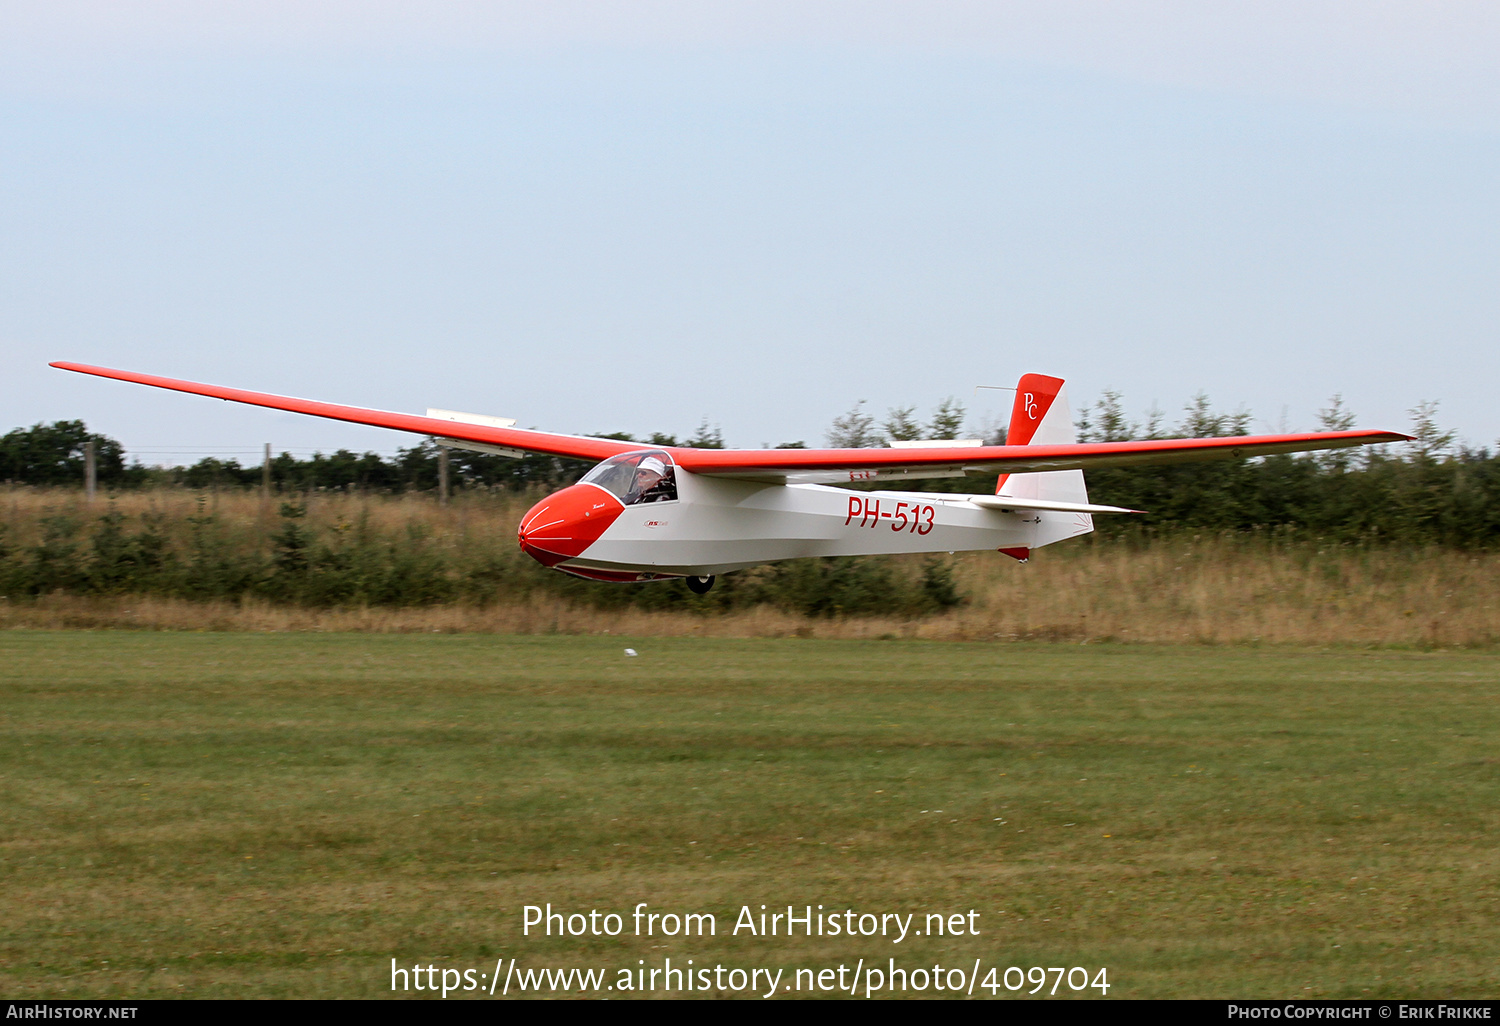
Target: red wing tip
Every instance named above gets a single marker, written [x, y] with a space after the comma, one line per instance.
[87, 368]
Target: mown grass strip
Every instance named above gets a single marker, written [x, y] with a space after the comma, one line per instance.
[267, 815]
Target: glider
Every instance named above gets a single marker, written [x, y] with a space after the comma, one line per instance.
[646, 513]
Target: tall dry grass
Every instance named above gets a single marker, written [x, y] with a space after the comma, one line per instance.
[471, 514]
[1208, 589]
[1218, 589]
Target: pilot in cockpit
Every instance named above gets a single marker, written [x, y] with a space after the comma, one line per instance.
[653, 481]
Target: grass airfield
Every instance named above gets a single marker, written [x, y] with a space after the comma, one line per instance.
[279, 815]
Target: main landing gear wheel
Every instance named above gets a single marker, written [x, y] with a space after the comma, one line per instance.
[700, 585]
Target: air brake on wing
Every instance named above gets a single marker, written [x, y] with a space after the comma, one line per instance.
[474, 418]
[843, 476]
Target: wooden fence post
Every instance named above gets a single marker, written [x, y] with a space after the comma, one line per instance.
[90, 470]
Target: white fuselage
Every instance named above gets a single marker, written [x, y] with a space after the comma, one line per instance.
[719, 524]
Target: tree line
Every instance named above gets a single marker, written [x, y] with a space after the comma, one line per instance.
[53, 454]
[1430, 491]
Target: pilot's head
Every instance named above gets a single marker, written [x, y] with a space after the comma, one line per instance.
[650, 471]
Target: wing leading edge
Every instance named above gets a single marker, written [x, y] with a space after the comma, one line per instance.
[794, 465]
[572, 446]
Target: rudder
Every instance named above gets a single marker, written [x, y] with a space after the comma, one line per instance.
[1041, 416]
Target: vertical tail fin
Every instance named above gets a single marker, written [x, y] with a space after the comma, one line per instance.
[1041, 416]
[1036, 395]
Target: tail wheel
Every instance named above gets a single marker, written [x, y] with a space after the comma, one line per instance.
[700, 585]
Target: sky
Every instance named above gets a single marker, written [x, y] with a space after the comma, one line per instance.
[611, 216]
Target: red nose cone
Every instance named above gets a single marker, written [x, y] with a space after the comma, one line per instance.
[564, 524]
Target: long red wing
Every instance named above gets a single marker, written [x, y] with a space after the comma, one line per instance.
[875, 464]
[830, 465]
[512, 438]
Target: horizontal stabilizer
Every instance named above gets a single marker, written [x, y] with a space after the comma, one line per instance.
[1017, 504]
